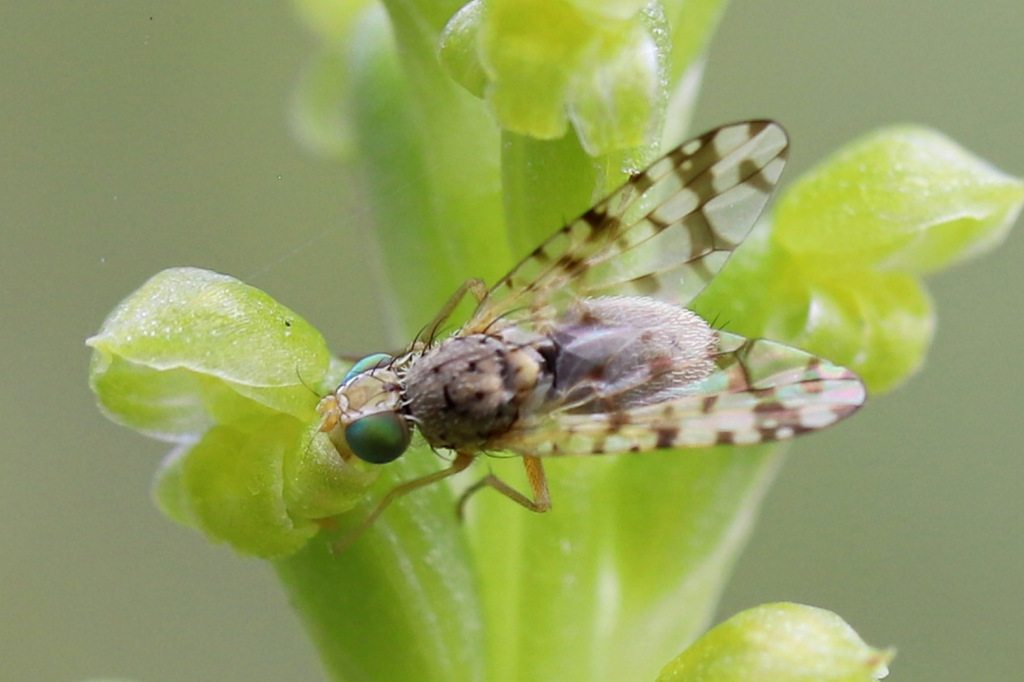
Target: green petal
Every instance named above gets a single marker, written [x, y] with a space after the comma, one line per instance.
[457, 48]
[618, 102]
[192, 346]
[264, 490]
[161, 404]
[318, 482]
[878, 324]
[168, 490]
[530, 63]
[780, 643]
[234, 483]
[611, 69]
[903, 198]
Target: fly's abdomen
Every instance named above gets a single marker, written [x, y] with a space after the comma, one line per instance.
[621, 352]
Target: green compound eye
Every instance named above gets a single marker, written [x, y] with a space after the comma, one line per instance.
[378, 438]
[369, 362]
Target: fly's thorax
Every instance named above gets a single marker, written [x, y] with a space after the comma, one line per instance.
[620, 352]
[470, 389]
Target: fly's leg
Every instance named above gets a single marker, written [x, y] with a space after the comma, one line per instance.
[474, 286]
[461, 461]
[541, 501]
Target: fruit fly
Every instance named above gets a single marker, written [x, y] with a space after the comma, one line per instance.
[584, 347]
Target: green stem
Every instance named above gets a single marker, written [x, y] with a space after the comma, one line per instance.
[398, 603]
[429, 151]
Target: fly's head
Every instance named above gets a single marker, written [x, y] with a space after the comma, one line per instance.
[364, 416]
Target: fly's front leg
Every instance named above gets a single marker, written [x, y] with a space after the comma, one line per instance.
[474, 286]
[461, 461]
[541, 501]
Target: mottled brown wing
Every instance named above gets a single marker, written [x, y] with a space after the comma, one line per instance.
[762, 391]
[664, 233]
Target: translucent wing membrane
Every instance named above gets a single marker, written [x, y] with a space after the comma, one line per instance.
[665, 233]
[762, 391]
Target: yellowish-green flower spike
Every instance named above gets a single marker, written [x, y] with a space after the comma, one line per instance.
[201, 359]
[420, 595]
[780, 643]
[849, 242]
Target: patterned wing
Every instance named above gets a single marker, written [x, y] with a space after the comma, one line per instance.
[762, 391]
[664, 233]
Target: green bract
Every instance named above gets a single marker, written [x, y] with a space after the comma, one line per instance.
[201, 359]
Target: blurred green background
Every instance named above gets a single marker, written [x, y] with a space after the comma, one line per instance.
[140, 135]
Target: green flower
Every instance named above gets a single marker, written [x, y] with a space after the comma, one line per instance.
[850, 241]
[221, 369]
[780, 643]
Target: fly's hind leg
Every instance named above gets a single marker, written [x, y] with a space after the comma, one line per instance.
[541, 501]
